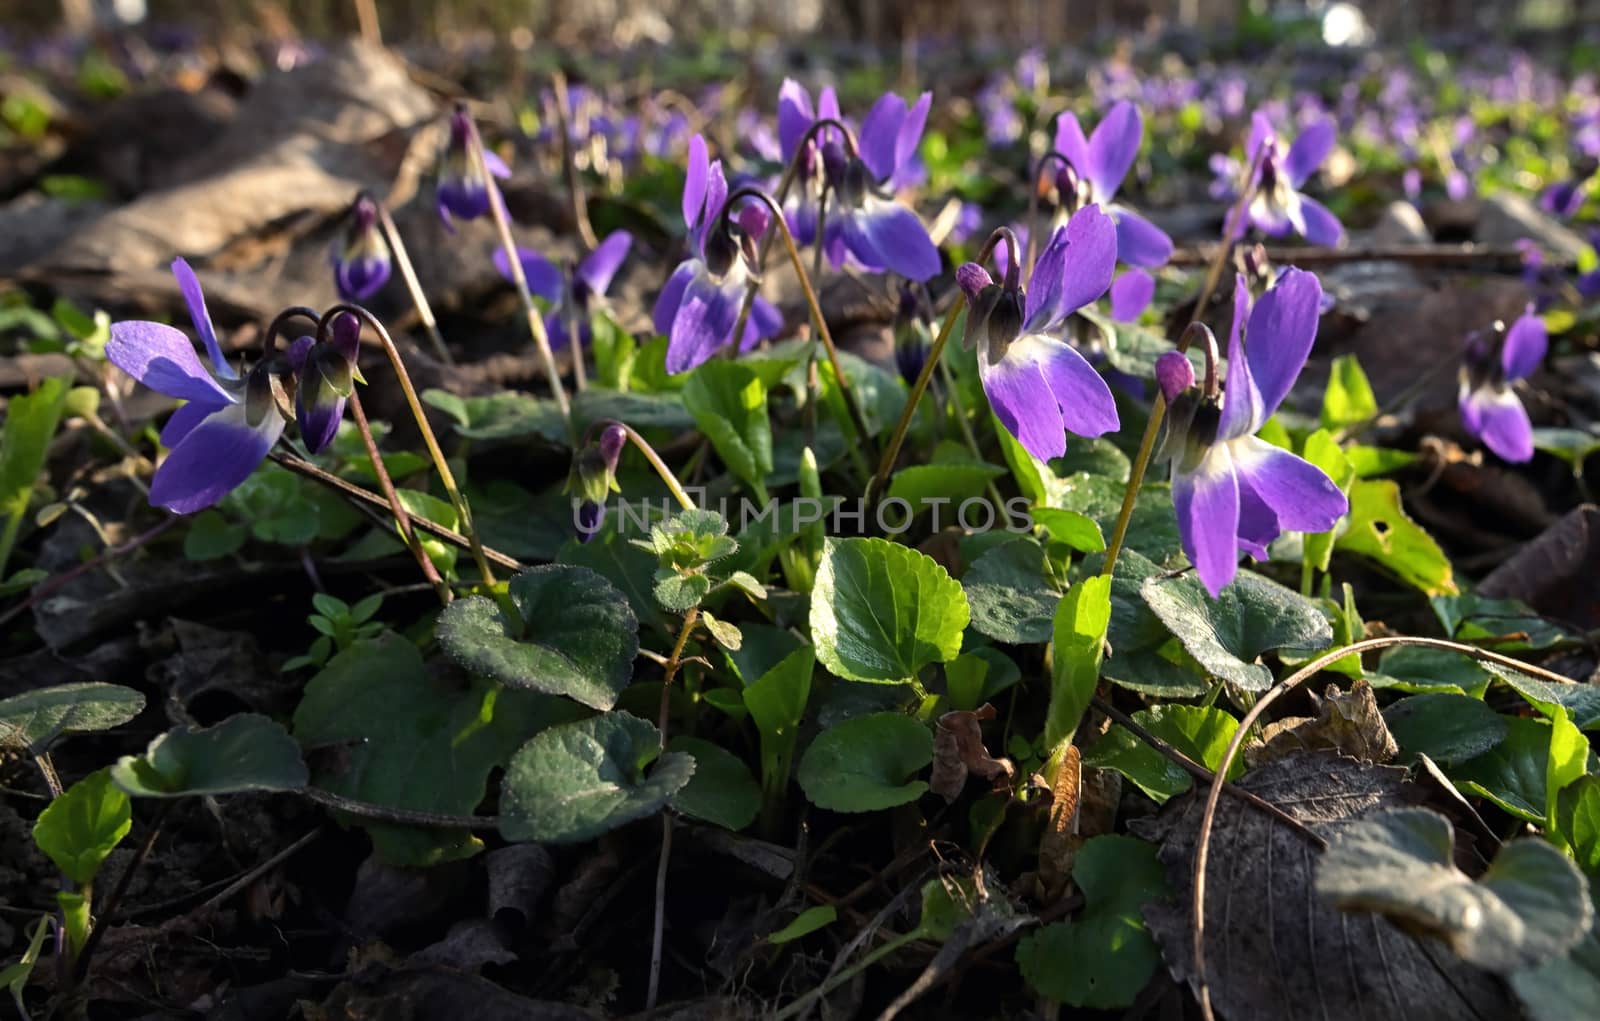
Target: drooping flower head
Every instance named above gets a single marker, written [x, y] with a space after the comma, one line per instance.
[1490, 408]
[699, 307]
[594, 478]
[1232, 491]
[229, 423]
[1102, 161]
[1040, 387]
[463, 191]
[572, 296]
[1276, 205]
[864, 226]
[361, 260]
[326, 375]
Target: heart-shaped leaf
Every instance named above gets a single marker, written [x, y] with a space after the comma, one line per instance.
[729, 403]
[575, 635]
[81, 827]
[1447, 728]
[1012, 596]
[1529, 908]
[35, 718]
[247, 752]
[866, 763]
[574, 782]
[1249, 617]
[722, 791]
[880, 612]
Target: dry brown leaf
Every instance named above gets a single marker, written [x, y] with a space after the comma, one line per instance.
[1349, 723]
[958, 750]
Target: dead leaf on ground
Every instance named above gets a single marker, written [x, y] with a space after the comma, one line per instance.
[958, 750]
[1346, 722]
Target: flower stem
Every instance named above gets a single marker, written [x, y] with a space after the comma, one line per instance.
[398, 509]
[502, 223]
[654, 458]
[569, 166]
[856, 417]
[408, 273]
[674, 661]
[1158, 407]
[446, 476]
[1033, 203]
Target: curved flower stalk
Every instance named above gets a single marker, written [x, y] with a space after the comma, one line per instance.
[229, 423]
[1040, 387]
[463, 189]
[699, 308]
[361, 260]
[571, 297]
[1490, 408]
[1232, 491]
[865, 227]
[1102, 162]
[1277, 206]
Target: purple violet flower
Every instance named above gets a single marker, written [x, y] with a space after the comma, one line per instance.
[1490, 408]
[571, 297]
[1102, 161]
[1039, 386]
[326, 375]
[699, 307]
[1131, 294]
[361, 263]
[229, 423]
[1231, 490]
[462, 191]
[1277, 206]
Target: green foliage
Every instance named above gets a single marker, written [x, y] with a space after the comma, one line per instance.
[729, 403]
[33, 719]
[83, 826]
[573, 782]
[1348, 399]
[339, 626]
[685, 547]
[1102, 958]
[1011, 593]
[880, 612]
[777, 703]
[865, 764]
[1200, 732]
[247, 752]
[804, 924]
[1077, 649]
[721, 791]
[1379, 528]
[1447, 728]
[1251, 615]
[31, 421]
[567, 631]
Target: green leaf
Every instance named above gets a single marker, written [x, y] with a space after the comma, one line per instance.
[1419, 668]
[35, 718]
[1078, 646]
[574, 782]
[865, 764]
[947, 483]
[1105, 956]
[1200, 732]
[1097, 456]
[21, 581]
[247, 752]
[1566, 764]
[721, 791]
[729, 404]
[1445, 727]
[805, 923]
[626, 566]
[1529, 908]
[1249, 617]
[575, 635]
[1369, 461]
[15, 976]
[31, 421]
[80, 829]
[505, 414]
[1573, 446]
[1079, 531]
[1581, 702]
[1510, 624]
[1512, 773]
[1379, 528]
[777, 703]
[663, 411]
[1011, 594]
[1562, 989]
[385, 729]
[1348, 399]
[1577, 820]
[1322, 450]
[880, 612]
[211, 536]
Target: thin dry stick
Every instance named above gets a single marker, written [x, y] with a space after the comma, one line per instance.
[656, 939]
[1246, 725]
[569, 166]
[502, 225]
[367, 20]
[355, 492]
[398, 816]
[398, 509]
[408, 273]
